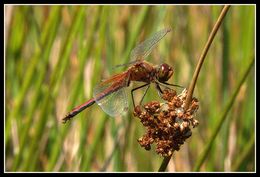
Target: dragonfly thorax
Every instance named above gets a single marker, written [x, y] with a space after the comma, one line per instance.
[164, 72]
[142, 71]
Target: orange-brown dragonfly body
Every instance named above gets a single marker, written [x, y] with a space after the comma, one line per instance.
[110, 94]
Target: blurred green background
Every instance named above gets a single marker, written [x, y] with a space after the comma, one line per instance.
[55, 55]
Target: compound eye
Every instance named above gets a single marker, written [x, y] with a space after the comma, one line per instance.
[164, 72]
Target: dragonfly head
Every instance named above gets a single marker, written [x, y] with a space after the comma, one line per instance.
[164, 72]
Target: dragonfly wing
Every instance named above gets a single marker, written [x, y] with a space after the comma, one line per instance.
[144, 49]
[114, 104]
[110, 95]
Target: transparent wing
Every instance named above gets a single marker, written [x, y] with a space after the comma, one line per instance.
[144, 49]
[114, 104]
[110, 95]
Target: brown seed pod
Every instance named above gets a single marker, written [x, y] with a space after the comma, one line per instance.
[167, 124]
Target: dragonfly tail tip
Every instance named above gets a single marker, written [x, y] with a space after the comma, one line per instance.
[66, 118]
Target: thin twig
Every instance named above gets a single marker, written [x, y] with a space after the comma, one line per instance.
[203, 55]
[198, 68]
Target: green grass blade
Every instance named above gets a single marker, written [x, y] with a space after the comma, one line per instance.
[54, 83]
[222, 117]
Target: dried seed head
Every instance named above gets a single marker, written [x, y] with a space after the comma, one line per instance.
[167, 124]
[195, 123]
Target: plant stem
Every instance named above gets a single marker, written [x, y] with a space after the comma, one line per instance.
[164, 163]
[196, 73]
[203, 55]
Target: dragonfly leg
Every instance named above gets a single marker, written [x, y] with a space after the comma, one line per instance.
[159, 89]
[164, 84]
[174, 85]
[137, 89]
[144, 94]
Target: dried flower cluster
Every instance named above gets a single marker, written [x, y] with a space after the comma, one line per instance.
[167, 124]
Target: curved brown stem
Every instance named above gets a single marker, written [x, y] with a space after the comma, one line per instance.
[203, 55]
[197, 70]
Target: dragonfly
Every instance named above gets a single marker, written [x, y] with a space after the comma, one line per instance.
[111, 95]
